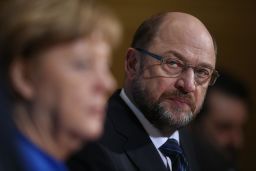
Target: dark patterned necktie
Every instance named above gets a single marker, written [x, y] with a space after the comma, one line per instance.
[172, 150]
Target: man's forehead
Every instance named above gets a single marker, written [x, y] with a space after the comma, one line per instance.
[187, 52]
[188, 42]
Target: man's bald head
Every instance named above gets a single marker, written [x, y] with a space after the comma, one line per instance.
[176, 21]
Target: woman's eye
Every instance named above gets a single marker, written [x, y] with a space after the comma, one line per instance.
[81, 65]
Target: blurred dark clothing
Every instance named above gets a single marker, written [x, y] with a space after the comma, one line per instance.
[125, 145]
[8, 153]
[208, 158]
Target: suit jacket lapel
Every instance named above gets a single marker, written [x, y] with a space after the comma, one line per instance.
[138, 145]
[144, 155]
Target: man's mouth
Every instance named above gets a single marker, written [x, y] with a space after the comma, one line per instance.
[182, 102]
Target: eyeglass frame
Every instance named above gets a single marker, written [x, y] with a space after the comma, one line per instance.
[213, 76]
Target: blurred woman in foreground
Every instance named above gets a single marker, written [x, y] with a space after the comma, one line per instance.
[56, 56]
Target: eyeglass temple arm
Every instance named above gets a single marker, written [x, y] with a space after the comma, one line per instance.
[160, 58]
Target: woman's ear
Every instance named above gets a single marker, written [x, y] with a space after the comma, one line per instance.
[20, 79]
[132, 66]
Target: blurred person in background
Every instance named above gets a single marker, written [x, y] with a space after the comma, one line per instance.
[219, 128]
[55, 57]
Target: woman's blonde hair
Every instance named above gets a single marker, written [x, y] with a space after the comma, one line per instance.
[30, 26]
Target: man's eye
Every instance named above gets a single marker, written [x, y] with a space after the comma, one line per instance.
[203, 72]
[173, 63]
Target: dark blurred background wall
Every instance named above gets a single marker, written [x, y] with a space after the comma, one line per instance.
[231, 22]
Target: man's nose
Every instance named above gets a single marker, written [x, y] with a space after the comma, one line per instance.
[186, 81]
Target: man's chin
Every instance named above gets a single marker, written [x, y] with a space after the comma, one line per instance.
[167, 127]
[178, 112]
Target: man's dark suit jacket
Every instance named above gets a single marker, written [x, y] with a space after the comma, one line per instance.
[125, 145]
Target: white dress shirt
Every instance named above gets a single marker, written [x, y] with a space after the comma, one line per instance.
[154, 134]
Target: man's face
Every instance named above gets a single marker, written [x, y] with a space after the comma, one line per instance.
[223, 125]
[170, 103]
[71, 84]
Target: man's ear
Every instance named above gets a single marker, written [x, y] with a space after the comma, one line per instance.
[20, 79]
[132, 65]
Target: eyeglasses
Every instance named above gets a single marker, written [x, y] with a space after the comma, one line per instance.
[173, 67]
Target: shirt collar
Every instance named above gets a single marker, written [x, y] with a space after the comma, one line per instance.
[156, 137]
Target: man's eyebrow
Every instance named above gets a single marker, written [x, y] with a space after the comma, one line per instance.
[182, 58]
[205, 65]
[176, 54]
